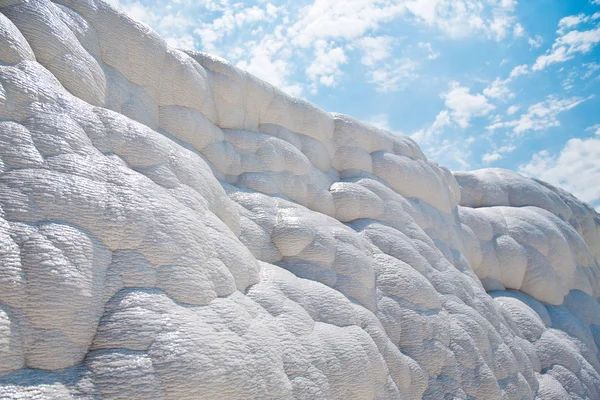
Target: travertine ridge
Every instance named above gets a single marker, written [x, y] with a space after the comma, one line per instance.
[173, 227]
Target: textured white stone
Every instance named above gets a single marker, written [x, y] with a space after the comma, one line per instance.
[173, 227]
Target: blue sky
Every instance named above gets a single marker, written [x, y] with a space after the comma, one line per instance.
[478, 83]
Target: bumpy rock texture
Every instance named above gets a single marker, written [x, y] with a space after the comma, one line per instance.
[172, 227]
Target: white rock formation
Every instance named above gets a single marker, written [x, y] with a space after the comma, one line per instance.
[173, 227]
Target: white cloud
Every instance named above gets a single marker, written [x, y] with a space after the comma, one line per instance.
[465, 105]
[489, 158]
[518, 71]
[465, 18]
[540, 116]
[325, 68]
[381, 121]
[376, 49]
[507, 149]
[576, 75]
[236, 31]
[137, 11]
[185, 42]
[569, 44]
[500, 27]
[452, 152]
[569, 22]
[231, 20]
[497, 154]
[595, 129]
[576, 168]
[499, 90]
[167, 23]
[518, 31]
[591, 69]
[327, 20]
[535, 41]
[512, 109]
[394, 76]
[263, 60]
[431, 55]
[508, 4]
[426, 136]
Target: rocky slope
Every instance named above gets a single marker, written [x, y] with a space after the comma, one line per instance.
[173, 227]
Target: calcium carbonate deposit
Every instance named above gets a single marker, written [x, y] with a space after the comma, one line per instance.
[173, 227]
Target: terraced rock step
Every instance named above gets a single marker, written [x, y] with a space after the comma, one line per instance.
[173, 227]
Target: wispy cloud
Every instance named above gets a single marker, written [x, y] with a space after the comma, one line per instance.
[499, 90]
[540, 116]
[497, 154]
[381, 121]
[465, 18]
[568, 44]
[431, 55]
[595, 129]
[430, 134]
[393, 76]
[375, 49]
[535, 42]
[512, 109]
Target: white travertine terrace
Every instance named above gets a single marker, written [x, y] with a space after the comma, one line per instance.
[173, 227]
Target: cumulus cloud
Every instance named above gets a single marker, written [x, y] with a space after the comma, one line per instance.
[464, 106]
[325, 68]
[518, 31]
[268, 60]
[576, 168]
